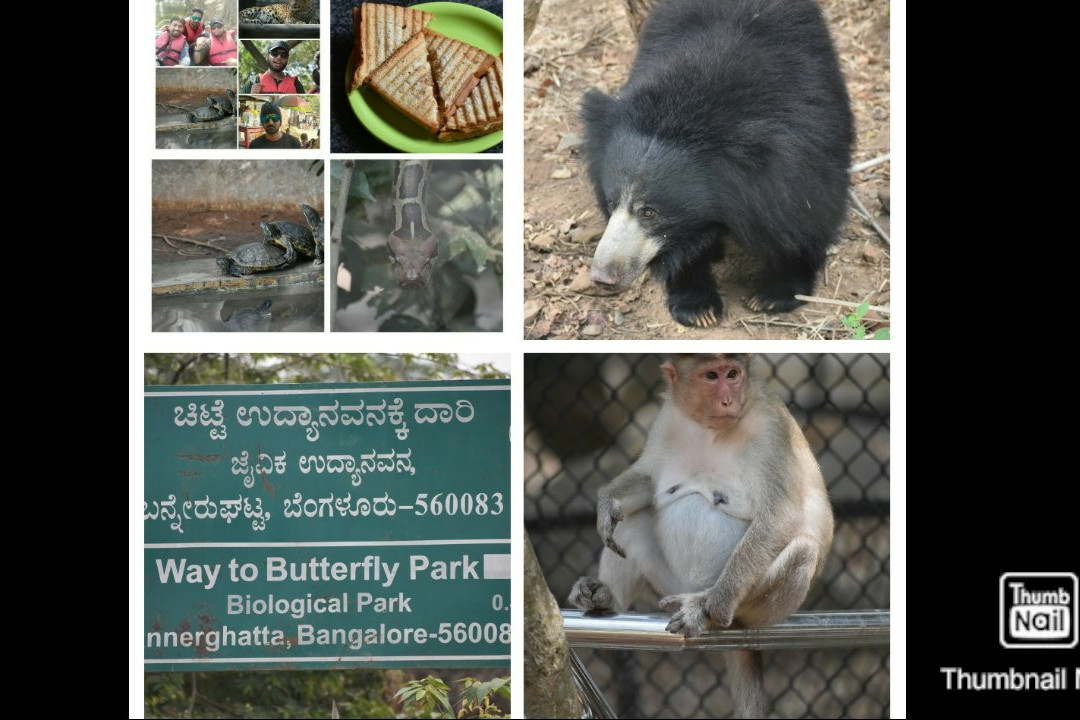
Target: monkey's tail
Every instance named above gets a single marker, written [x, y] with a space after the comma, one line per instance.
[747, 683]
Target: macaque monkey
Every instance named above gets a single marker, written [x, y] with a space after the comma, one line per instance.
[722, 521]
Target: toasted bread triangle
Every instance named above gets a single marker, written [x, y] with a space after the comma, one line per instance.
[457, 68]
[481, 113]
[380, 30]
[405, 80]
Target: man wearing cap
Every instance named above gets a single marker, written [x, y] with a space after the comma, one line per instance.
[222, 44]
[274, 80]
[273, 138]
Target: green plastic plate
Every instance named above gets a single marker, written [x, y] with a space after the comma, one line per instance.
[462, 22]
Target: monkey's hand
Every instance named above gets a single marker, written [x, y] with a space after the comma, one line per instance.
[590, 595]
[608, 514]
[692, 613]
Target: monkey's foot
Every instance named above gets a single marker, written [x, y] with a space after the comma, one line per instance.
[690, 613]
[696, 307]
[590, 595]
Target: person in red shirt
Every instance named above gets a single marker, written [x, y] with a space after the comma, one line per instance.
[222, 44]
[274, 80]
[315, 76]
[193, 26]
[170, 46]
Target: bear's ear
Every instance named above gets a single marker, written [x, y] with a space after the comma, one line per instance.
[596, 108]
[598, 113]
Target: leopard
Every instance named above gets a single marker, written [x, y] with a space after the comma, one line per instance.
[292, 12]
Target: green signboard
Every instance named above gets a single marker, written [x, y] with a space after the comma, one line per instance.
[332, 525]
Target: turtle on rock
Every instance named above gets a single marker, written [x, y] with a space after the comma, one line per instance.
[316, 223]
[212, 111]
[258, 257]
[280, 232]
[225, 102]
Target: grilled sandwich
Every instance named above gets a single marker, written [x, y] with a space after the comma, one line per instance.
[380, 30]
[405, 80]
[457, 67]
[481, 113]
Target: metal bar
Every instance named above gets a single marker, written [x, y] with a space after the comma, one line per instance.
[848, 509]
[591, 695]
[277, 30]
[645, 631]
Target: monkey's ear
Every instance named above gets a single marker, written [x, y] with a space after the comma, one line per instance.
[670, 374]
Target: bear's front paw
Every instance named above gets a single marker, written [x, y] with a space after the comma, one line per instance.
[777, 295]
[696, 309]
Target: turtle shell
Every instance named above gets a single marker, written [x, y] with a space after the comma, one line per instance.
[209, 113]
[316, 224]
[300, 236]
[223, 101]
[257, 257]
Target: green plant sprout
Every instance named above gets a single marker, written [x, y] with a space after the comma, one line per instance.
[854, 322]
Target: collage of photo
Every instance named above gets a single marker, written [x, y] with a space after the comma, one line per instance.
[628, 454]
[236, 75]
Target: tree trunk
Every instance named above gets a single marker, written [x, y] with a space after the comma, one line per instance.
[258, 56]
[549, 688]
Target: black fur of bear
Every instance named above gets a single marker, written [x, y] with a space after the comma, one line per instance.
[734, 123]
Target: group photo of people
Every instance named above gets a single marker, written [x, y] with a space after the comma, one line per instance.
[201, 35]
[223, 81]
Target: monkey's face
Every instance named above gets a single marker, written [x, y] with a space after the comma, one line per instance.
[711, 389]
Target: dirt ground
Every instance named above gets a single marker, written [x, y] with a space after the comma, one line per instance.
[578, 45]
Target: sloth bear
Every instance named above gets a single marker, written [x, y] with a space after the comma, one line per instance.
[735, 123]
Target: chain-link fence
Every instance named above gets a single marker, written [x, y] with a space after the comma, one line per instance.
[586, 420]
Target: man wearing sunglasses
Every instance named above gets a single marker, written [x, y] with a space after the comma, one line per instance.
[274, 80]
[193, 26]
[273, 138]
